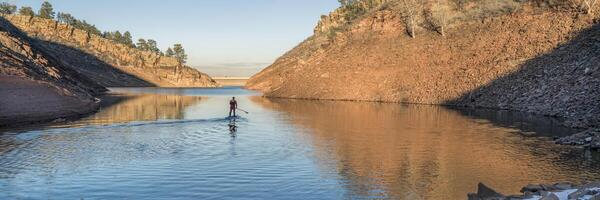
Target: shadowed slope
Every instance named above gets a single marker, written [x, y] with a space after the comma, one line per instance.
[120, 65]
[37, 86]
[94, 68]
[563, 82]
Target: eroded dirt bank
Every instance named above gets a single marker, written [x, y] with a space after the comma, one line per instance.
[536, 60]
[28, 101]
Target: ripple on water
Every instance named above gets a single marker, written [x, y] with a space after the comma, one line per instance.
[176, 146]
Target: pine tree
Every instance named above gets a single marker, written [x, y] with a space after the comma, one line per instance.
[27, 11]
[60, 17]
[65, 18]
[142, 45]
[169, 52]
[179, 53]
[116, 36]
[127, 40]
[107, 35]
[153, 46]
[7, 8]
[83, 25]
[347, 2]
[46, 11]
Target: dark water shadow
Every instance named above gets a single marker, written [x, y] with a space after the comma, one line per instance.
[118, 109]
[562, 83]
[107, 101]
[527, 124]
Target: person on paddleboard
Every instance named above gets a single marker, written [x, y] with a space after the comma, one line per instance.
[232, 106]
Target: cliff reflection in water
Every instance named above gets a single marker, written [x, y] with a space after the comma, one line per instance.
[430, 152]
[120, 108]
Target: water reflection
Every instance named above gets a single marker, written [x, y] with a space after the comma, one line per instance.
[430, 152]
[526, 123]
[119, 108]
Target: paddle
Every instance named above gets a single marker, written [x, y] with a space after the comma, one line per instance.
[243, 111]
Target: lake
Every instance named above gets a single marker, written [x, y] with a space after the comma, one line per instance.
[158, 143]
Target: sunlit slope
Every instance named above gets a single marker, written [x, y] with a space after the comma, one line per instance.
[377, 57]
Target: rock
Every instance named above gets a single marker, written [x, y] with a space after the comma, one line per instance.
[590, 185]
[578, 194]
[563, 186]
[550, 196]
[588, 190]
[472, 196]
[59, 120]
[589, 138]
[585, 190]
[525, 195]
[595, 143]
[532, 188]
[484, 192]
[547, 187]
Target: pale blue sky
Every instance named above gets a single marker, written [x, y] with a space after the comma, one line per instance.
[219, 36]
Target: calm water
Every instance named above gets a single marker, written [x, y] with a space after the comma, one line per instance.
[176, 144]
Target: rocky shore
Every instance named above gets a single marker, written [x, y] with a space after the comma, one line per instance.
[556, 191]
[589, 139]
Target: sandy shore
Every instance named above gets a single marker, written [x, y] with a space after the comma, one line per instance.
[26, 101]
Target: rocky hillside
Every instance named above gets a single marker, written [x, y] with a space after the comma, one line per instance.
[535, 57]
[35, 85]
[107, 62]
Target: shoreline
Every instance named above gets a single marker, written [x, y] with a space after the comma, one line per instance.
[27, 102]
[78, 108]
[587, 137]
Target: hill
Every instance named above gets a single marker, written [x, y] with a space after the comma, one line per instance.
[108, 62]
[36, 85]
[536, 57]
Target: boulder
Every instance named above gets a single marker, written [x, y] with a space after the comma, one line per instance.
[595, 143]
[532, 188]
[589, 138]
[550, 196]
[485, 193]
[563, 186]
